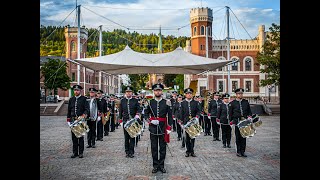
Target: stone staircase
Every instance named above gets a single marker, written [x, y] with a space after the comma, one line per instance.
[275, 109]
[47, 110]
[63, 111]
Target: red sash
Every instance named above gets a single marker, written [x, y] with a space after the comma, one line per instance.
[167, 127]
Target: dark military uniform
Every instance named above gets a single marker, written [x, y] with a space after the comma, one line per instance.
[189, 109]
[173, 103]
[77, 106]
[213, 109]
[92, 120]
[239, 110]
[129, 107]
[224, 119]
[201, 118]
[102, 108]
[112, 114]
[177, 115]
[158, 110]
[106, 126]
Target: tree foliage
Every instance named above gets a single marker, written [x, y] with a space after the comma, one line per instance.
[179, 80]
[270, 57]
[55, 75]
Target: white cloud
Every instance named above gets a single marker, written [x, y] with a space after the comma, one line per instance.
[124, 14]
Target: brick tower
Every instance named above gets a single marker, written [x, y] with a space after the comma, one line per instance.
[200, 18]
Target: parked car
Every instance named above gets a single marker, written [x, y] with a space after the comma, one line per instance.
[50, 98]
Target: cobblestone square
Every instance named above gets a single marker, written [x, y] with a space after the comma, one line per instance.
[108, 161]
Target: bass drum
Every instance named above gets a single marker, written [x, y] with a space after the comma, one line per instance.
[246, 128]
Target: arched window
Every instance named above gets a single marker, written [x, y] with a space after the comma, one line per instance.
[248, 64]
[195, 30]
[234, 66]
[73, 46]
[221, 58]
[202, 32]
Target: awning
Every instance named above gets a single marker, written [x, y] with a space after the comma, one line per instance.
[128, 61]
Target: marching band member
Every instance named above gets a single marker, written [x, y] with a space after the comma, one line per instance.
[159, 109]
[239, 110]
[92, 118]
[213, 108]
[129, 108]
[177, 109]
[77, 106]
[112, 105]
[102, 109]
[173, 100]
[189, 110]
[223, 118]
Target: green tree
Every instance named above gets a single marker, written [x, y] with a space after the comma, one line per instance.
[138, 81]
[270, 57]
[179, 80]
[55, 75]
[168, 79]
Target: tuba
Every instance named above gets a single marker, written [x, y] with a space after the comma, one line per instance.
[79, 127]
[133, 127]
[193, 128]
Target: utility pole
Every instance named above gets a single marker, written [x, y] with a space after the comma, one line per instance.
[228, 51]
[79, 50]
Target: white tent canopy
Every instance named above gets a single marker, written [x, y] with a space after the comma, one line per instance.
[128, 61]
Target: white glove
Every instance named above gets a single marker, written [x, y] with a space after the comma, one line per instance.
[197, 120]
[69, 123]
[155, 122]
[137, 116]
[99, 118]
[168, 131]
[174, 118]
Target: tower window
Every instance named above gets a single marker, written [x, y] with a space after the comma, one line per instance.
[202, 30]
[209, 30]
[195, 31]
[73, 46]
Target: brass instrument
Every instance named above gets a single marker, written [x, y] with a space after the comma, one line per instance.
[133, 127]
[206, 99]
[105, 119]
[193, 128]
[79, 127]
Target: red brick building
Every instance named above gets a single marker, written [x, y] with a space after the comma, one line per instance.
[88, 77]
[245, 73]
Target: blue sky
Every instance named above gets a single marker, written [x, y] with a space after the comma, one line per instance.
[167, 13]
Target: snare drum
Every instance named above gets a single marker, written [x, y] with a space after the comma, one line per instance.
[256, 120]
[79, 128]
[246, 128]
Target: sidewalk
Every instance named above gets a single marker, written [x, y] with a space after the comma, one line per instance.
[108, 160]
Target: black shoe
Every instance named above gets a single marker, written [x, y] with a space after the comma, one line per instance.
[238, 154]
[182, 146]
[205, 134]
[154, 170]
[187, 155]
[93, 146]
[74, 155]
[228, 146]
[243, 154]
[218, 139]
[209, 134]
[214, 139]
[179, 139]
[89, 146]
[193, 155]
[127, 155]
[224, 146]
[80, 155]
[131, 155]
[163, 170]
